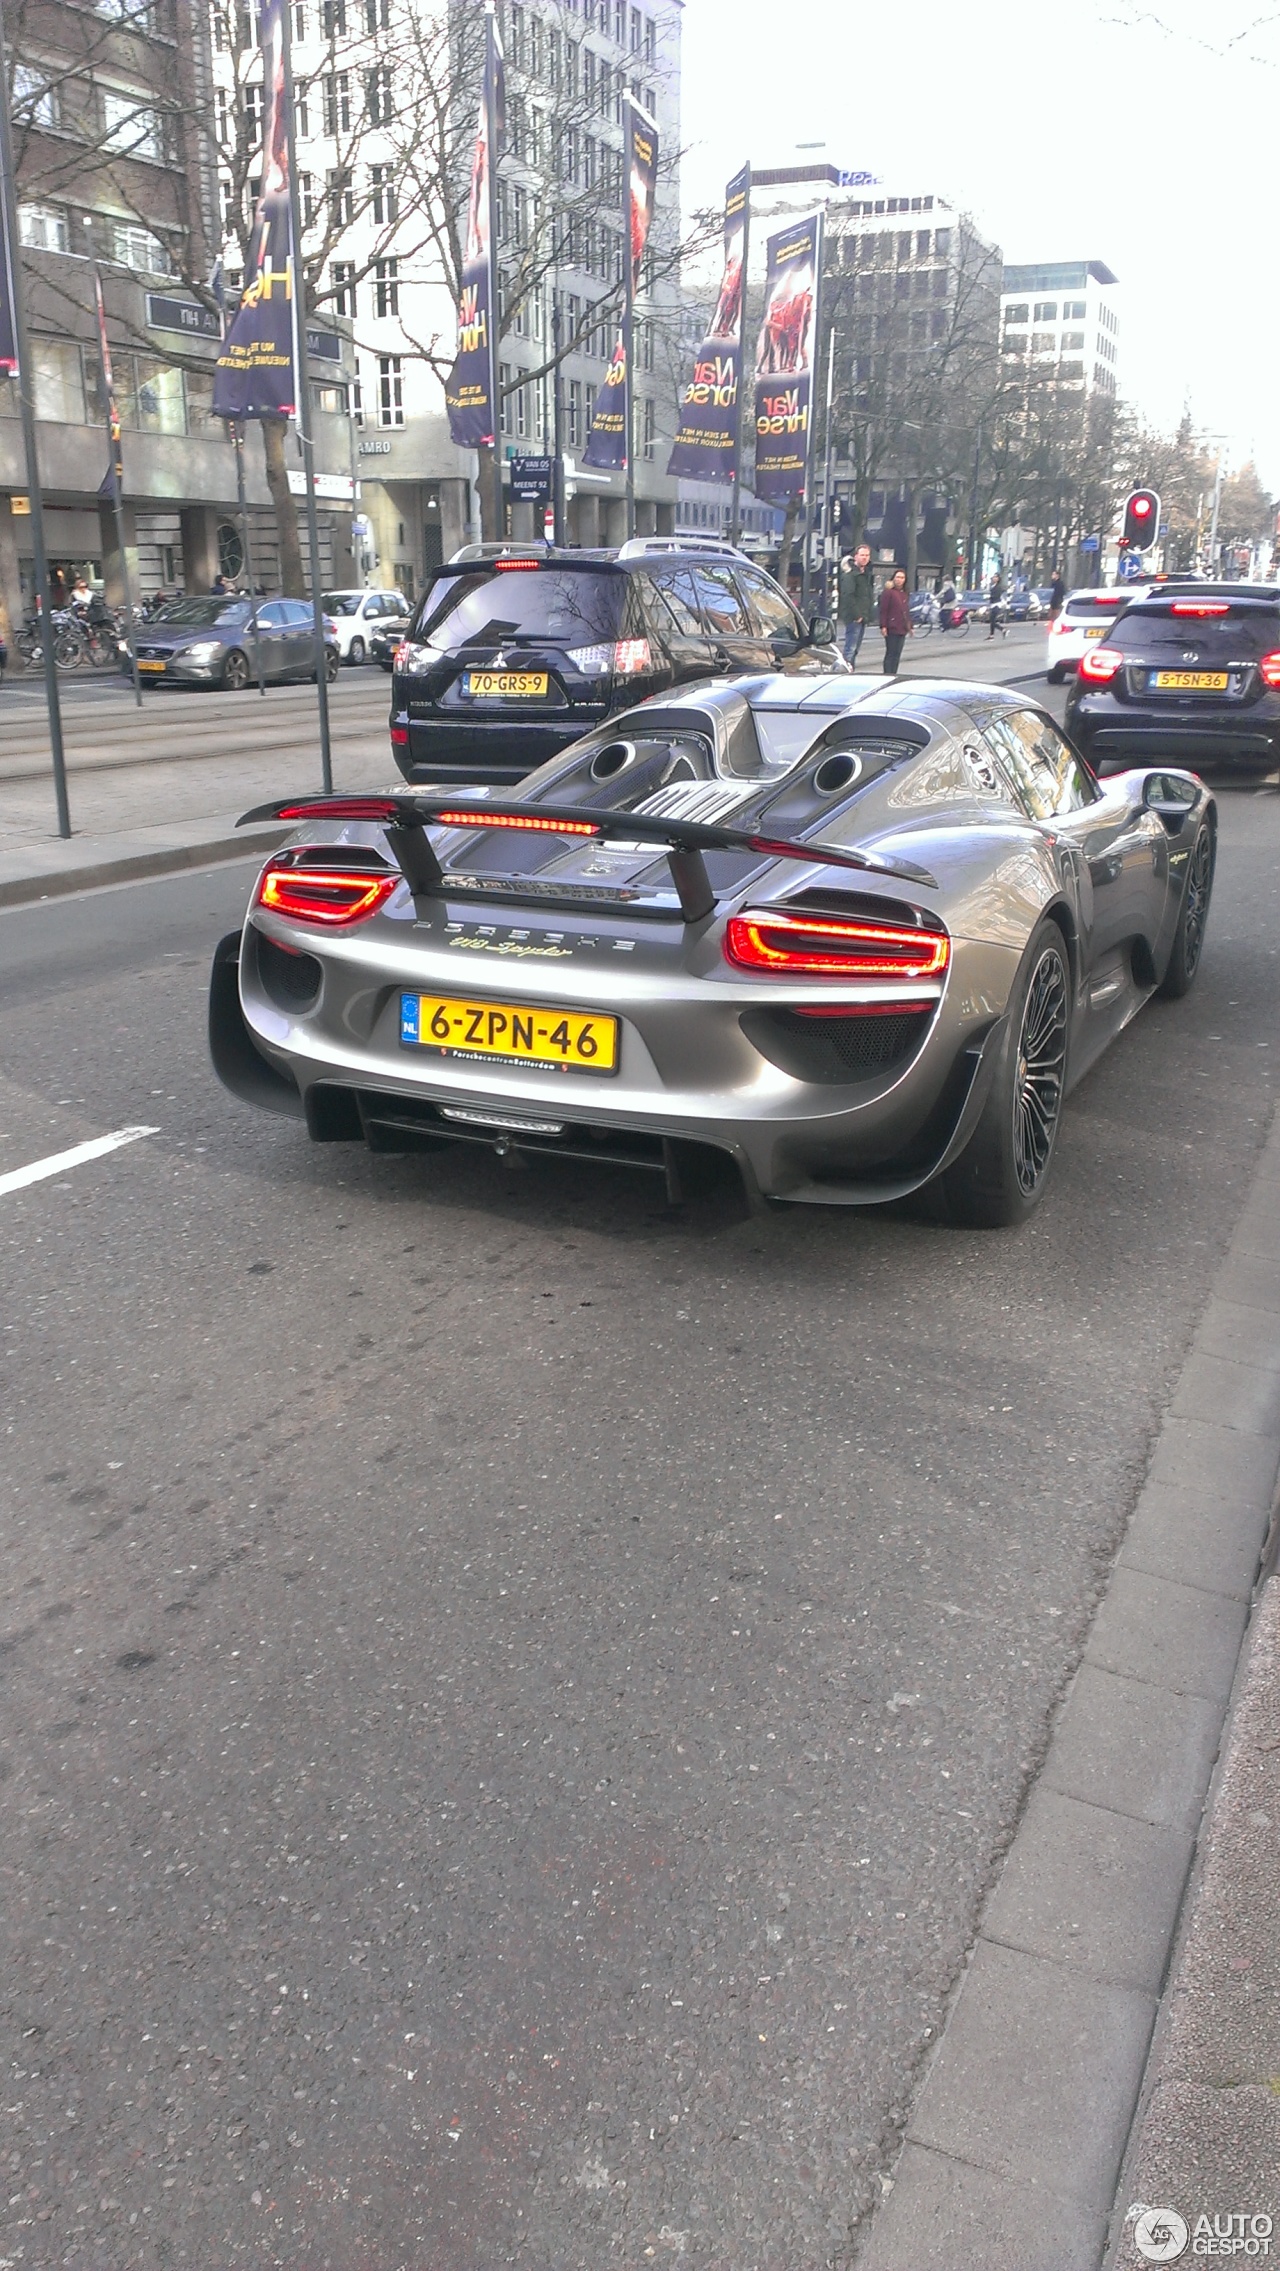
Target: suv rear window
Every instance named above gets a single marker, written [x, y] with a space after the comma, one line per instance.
[562, 607]
[1241, 633]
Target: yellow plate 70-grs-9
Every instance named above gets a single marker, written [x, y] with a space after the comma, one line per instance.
[571, 1040]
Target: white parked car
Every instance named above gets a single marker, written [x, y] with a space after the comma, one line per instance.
[1086, 617]
[358, 614]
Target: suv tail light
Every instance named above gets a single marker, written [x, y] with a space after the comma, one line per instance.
[1100, 664]
[804, 946]
[625, 656]
[1201, 607]
[1269, 668]
[331, 896]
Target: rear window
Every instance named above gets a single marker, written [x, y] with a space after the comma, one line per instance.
[1094, 606]
[1239, 634]
[563, 607]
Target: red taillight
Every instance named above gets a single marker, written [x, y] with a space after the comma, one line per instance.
[329, 895]
[341, 807]
[515, 820]
[1099, 664]
[820, 946]
[1269, 668]
[630, 656]
[1201, 607]
[511, 567]
[399, 740]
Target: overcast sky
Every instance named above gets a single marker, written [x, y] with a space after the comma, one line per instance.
[1103, 129]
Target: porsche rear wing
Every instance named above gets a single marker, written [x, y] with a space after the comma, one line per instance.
[407, 818]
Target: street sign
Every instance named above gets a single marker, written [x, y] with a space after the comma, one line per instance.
[1088, 543]
[1131, 567]
[530, 479]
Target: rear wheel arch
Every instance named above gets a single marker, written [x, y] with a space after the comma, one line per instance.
[1060, 913]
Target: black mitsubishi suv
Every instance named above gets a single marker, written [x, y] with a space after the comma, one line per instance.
[1190, 675]
[516, 649]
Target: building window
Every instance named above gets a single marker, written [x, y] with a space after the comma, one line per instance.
[1073, 311]
[155, 404]
[1043, 343]
[357, 396]
[386, 287]
[942, 241]
[43, 227]
[390, 391]
[337, 103]
[573, 415]
[1020, 314]
[648, 427]
[136, 247]
[302, 109]
[1072, 340]
[379, 102]
[35, 102]
[341, 195]
[924, 238]
[59, 381]
[299, 23]
[382, 184]
[1046, 311]
[650, 42]
[307, 193]
[130, 128]
[342, 280]
[1071, 370]
[334, 17]
[377, 15]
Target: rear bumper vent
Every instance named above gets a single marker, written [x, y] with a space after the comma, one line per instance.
[836, 1050]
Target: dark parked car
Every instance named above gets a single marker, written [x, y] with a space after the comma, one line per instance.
[386, 637]
[1188, 676]
[517, 650]
[210, 642]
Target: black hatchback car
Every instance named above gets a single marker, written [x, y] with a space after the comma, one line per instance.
[516, 650]
[1191, 675]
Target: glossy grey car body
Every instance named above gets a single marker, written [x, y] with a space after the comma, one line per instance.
[932, 785]
[210, 641]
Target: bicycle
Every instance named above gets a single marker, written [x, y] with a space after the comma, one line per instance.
[68, 646]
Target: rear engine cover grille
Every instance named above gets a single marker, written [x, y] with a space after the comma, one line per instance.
[836, 1050]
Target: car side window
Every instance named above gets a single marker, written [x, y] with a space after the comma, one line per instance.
[1045, 770]
[774, 614]
[718, 600]
[674, 587]
[272, 616]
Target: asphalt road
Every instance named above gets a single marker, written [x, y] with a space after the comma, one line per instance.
[512, 1695]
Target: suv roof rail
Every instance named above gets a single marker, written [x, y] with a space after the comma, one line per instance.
[636, 546]
[508, 549]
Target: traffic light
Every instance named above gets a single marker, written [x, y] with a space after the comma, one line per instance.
[1141, 519]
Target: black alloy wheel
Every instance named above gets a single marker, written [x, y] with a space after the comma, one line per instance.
[355, 653]
[235, 672]
[1188, 941]
[999, 1178]
[1041, 1065]
[332, 664]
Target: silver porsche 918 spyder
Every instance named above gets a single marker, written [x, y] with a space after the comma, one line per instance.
[860, 936]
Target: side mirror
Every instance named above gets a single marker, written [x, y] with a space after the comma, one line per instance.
[1169, 798]
[822, 631]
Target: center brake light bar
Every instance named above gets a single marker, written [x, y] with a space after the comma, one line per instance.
[686, 842]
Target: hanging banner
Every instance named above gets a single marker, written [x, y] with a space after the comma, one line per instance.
[112, 488]
[706, 442]
[609, 438]
[255, 376]
[784, 362]
[471, 389]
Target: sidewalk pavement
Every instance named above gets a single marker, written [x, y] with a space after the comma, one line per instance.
[1114, 2043]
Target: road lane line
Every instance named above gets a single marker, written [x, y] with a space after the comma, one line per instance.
[61, 1160]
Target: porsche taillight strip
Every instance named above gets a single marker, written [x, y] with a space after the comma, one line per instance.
[766, 938]
[329, 896]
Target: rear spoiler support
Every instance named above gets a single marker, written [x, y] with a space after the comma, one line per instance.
[406, 819]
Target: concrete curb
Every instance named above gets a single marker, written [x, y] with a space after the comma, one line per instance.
[1013, 2151]
[92, 863]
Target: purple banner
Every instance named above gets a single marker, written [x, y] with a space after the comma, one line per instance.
[471, 389]
[706, 444]
[608, 442]
[255, 375]
[784, 362]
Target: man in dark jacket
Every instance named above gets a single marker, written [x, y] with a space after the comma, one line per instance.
[857, 599]
[895, 620]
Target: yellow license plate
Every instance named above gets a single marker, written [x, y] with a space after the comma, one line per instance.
[522, 1034]
[1191, 681]
[151, 666]
[505, 685]
[1097, 630]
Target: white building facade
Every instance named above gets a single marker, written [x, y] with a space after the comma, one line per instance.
[1058, 321]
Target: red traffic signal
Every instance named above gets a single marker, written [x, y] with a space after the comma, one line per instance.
[1141, 519]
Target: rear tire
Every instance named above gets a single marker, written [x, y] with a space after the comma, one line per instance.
[235, 672]
[1056, 675]
[999, 1178]
[332, 664]
[1188, 942]
[355, 653]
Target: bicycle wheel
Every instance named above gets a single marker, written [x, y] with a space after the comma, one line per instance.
[960, 630]
[102, 647]
[923, 628]
[29, 646]
[68, 650]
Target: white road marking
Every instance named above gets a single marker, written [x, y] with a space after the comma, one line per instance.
[77, 1157]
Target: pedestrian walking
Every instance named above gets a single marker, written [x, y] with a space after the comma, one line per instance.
[895, 620]
[995, 612]
[1057, 593]
[857, 599]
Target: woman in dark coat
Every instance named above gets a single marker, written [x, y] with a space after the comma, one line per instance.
[895, 620]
